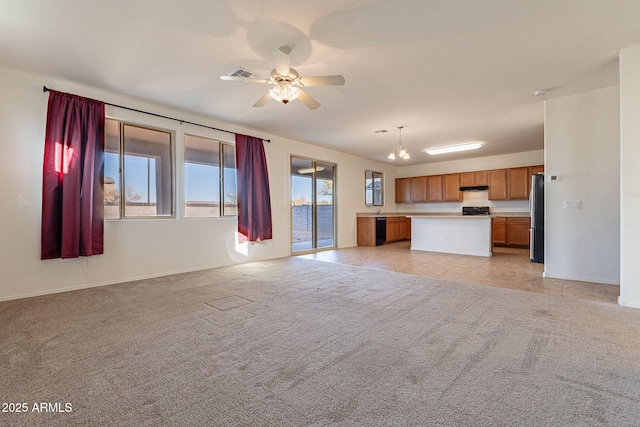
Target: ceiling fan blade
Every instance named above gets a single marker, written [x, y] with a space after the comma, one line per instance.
[262, 101]
[322, 81]
[244, 79]
[283, 62]
[308, 100]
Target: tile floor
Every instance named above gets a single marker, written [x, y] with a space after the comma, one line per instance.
[507, 268]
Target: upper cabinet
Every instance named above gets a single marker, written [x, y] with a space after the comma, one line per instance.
[451, 188]
[419, 189]
[519, 183]
[498, 184]
[480, 178]
[504, 184]
[471, 179]
[434, 189]
[403, 190]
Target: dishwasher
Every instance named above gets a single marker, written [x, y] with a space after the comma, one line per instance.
[381, 230]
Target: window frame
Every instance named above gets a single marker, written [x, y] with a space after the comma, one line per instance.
[221, 181]
[374, 176]
[121, 165]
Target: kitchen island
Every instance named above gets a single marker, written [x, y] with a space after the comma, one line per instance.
[455, 234]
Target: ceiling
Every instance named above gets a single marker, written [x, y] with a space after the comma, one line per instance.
[448, 71]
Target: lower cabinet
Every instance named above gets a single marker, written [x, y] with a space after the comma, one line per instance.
[511, 231]
[397, 229]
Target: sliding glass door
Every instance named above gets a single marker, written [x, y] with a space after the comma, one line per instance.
[312, 205]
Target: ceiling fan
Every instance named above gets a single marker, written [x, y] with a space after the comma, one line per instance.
[287, 82]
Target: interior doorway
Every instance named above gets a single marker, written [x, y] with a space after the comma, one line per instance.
[313, 211]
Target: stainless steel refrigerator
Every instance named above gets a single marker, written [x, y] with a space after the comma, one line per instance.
[536, 207]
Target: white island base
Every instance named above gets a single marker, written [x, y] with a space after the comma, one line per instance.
[467, 235]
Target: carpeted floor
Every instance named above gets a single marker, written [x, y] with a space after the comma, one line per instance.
[295, 342]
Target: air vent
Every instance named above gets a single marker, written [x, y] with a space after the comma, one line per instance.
[241, 72]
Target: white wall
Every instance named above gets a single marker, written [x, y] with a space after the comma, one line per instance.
[582, 146]
[142, 248]
[472, 198]
[630, 176]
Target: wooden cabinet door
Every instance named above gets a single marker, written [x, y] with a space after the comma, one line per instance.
[419, 189]
[499, 231]
[402, 228]
[434, 188]
[466, 179]
[497, 184]
[480, 178]
[536, 169]
[403, 190]
[519, 183]
[393, 229]
[407, 235]
[518, 232]
[366, 231]
[533, 170]
[451, 188]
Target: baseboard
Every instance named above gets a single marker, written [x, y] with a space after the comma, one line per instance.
[113, 282]
[581, 279]
[627, 304]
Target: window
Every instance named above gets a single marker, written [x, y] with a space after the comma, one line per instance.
[209, 172]
[373, 188]
[138, 171]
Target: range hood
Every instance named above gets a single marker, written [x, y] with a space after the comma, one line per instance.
[475, 188]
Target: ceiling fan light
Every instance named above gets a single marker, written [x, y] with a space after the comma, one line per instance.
[284, 92]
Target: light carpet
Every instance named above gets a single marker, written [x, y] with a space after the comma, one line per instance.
[295, 342]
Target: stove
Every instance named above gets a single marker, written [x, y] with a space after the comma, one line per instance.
[475, 210]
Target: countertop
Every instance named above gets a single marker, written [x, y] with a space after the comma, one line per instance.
[442, 214]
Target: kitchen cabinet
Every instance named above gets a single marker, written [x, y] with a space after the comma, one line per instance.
[403, 190]
[497, 184]
[434, 188]
[536, 169]
[407, 234]
[471, 179]
[511, 231]
[519, 182]
[480, 178]
[518, 232]
[451, 187]
[396, 229]
[533, 170]
[419, 189]
[366, 231]
[393, 229]
[504, 184]
[499, 231]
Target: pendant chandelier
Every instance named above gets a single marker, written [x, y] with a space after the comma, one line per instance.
[399, 151]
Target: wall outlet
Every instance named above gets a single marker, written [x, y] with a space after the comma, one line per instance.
[91, 262]
[572, 205]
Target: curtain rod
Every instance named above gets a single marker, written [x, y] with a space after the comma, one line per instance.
[46, 89]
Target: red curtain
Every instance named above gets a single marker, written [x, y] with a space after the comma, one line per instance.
[72, 189]
[254, 199]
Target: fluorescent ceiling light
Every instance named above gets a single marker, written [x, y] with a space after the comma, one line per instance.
[454, 148]
[311, 170]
